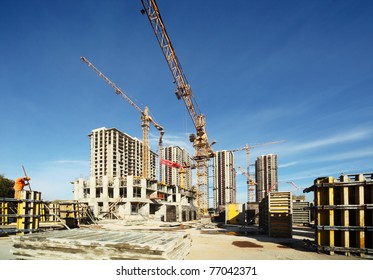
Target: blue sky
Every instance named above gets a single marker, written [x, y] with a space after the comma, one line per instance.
[261, 71]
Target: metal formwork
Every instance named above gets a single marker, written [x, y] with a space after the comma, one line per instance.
[344, 208]
[4, 213]
[50, 212]
[28, 212]
[275, 214]
[301, 212]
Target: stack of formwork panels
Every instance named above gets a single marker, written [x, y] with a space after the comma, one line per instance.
[4, 209]
[275, 216]
[86, 244]
[301, 212]
[344, 214]
[71, 212]
[28, 212]
[49, 212]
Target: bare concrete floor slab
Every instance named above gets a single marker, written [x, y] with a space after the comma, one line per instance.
[101, 244]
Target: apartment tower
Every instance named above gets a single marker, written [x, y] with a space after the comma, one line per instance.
[173, 175]
[224, 180]
[266, 175]
[116, 154]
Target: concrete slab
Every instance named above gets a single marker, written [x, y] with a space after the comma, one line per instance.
[86, 244]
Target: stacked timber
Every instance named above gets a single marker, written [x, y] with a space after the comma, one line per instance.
[86, 244]
[344, 214]
[275, 214]
[301, 212]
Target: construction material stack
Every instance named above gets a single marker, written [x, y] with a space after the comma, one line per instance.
[28, 212]
[344, 214]
[85, 244]
[275, 214]
[301, 212]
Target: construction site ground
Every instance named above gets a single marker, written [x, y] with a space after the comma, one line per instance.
[224, 242]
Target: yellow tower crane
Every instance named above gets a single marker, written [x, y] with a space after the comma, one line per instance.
[250, 184]
[250, 180]
[146, 119]
[183, 91]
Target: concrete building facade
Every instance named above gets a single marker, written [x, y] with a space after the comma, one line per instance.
[176, 176]
[116, 154]
[224, 180]
[266, 175]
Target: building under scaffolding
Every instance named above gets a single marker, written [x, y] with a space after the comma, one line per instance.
[124, 198]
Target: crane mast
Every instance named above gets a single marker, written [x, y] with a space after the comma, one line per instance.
[183, 91]
[146, 119]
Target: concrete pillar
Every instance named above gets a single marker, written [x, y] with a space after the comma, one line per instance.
[143, 188]
[95, 209]
[105, 187]
[81, 189]
[130, 186]
[179, 212]
[92, 187]
[127, 209]
[76, 190]
[145, 209]
[116, 187]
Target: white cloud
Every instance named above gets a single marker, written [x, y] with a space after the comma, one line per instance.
[355, 154]
[288, 164]
[345, 137]
[181, 140]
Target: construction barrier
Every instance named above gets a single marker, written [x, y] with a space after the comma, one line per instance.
[275, 214]
[344, 214]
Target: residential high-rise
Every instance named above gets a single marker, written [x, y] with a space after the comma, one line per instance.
[116, 154]
[266, 171]
[224, 180]
[172, 175]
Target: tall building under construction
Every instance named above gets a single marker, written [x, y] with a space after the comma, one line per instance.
[266, 175]
[177, 176]
[116, 154]
[224, 180]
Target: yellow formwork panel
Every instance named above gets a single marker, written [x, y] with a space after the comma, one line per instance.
[343, 213]
[28, 212]
[234, 213]
[4, 213]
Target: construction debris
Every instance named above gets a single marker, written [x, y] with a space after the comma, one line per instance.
[85, 244]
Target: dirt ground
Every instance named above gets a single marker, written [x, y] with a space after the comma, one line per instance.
[212, 243]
